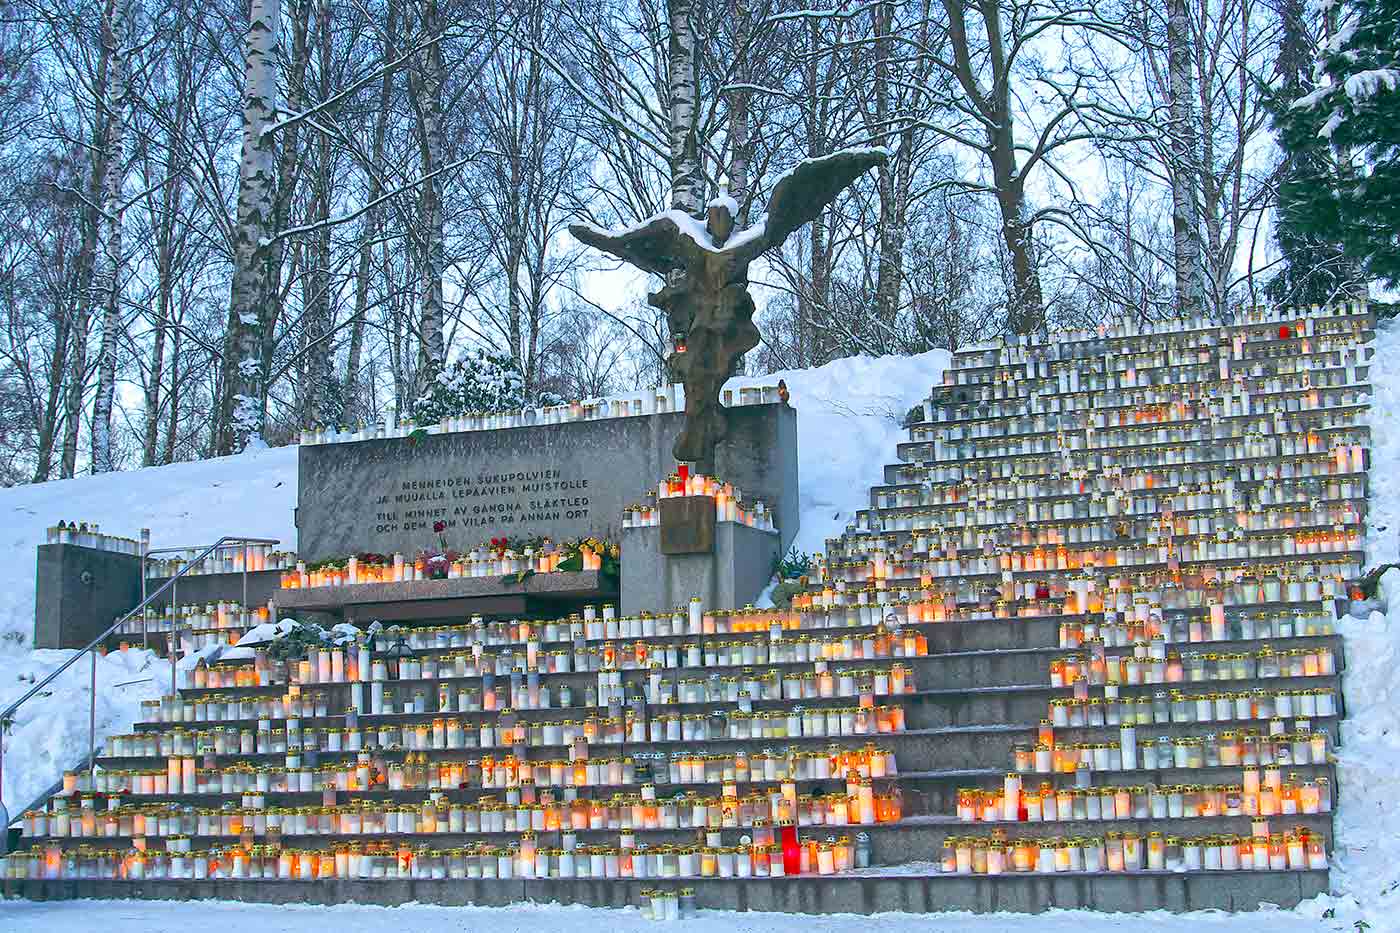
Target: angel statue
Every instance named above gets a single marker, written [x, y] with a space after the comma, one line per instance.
[706, 267]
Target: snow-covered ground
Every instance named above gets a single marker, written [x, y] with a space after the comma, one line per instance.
[177, 917]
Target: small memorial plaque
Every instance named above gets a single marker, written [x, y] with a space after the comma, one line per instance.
[687, 525]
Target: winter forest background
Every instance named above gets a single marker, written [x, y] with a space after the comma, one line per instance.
[224, 221]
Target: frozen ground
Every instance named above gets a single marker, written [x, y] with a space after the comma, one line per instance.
[178, 917]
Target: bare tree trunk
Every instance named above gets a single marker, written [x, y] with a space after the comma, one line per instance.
[114, 36]
[319, 394]
[241, 408]
[888, 274]
[687, 187]
[48, 425]
[432, 353]
[173, 422]
[1187, 261]
[740, 131]
[87, 260]
[165, 286]
[355, 411]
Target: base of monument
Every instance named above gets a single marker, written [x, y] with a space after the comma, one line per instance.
[908, 889]
[730, 577]
[546, 593]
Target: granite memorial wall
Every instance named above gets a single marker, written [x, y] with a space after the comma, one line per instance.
[558, 480]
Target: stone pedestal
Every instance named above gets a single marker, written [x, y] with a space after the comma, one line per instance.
[80, 592]
[729, 577]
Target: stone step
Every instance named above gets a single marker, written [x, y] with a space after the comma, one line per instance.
[919, 749]
[907, 888]
[958, 705]
[912, 839]
[926, 793]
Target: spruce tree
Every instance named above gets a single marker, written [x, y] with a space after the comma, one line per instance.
[1353, 112]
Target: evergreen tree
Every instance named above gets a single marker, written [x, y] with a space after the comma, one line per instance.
[478, 383]
[1315, 270]
[1353, 110]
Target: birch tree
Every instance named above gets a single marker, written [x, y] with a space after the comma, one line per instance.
[116, 41]
[240, 416]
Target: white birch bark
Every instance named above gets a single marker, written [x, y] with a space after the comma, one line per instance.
[240, 405]
[682, 85]
[432, 353]
[1187, 261]
[115, 26]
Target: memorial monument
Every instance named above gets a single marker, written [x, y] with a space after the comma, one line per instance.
[706, 266]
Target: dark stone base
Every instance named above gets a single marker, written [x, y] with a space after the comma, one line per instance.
[861, 893]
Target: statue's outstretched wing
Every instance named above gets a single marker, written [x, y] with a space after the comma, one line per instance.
[808, 187]
[656, 244]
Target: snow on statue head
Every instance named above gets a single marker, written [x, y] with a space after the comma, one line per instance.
[706, 266]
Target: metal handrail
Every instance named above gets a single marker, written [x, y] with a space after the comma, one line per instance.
[8, 714]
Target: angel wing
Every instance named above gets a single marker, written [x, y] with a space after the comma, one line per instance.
[807, 188]
[655, 245]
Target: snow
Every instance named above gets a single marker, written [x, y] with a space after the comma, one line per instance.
[861, 401]
[725, 200]
[176, 917]
[1367, 84]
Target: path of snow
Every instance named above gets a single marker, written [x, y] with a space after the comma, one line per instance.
[177, 917]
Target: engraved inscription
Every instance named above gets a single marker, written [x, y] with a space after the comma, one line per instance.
[519, 500]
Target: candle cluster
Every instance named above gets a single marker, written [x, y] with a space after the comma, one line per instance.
[374, 861]
[88, 534]
[658, 400]
[1114, 852]
[486, 560]
[728, 499]
[199, 626]
[1273, 797]
[228, 558]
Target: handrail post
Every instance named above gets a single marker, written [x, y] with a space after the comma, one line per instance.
[92, 718]
[4, 813]
[145, 547]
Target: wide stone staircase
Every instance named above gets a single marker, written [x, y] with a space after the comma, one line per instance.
[1079, 652]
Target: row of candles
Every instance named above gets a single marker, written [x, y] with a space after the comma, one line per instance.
[859, 805]
[1322, 370]
[222, 616]
[1254, 323]
[1176, 707]
[1228, 749]
[961, 505]
[1300, 850]
[228, 558]
[90, 535]
[525, 691]
[1258, 337]
[372, 861]
[524, 665]
[1119, 372]
[1340, 561]
[1152, 663]
[482, 561]
[1014, 802]
[628, 727]
[1214, 442]
[1181, 483]
[517, 777]
[1150, 405]
[1076, 592]
[1166, 362]
[658, 400]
